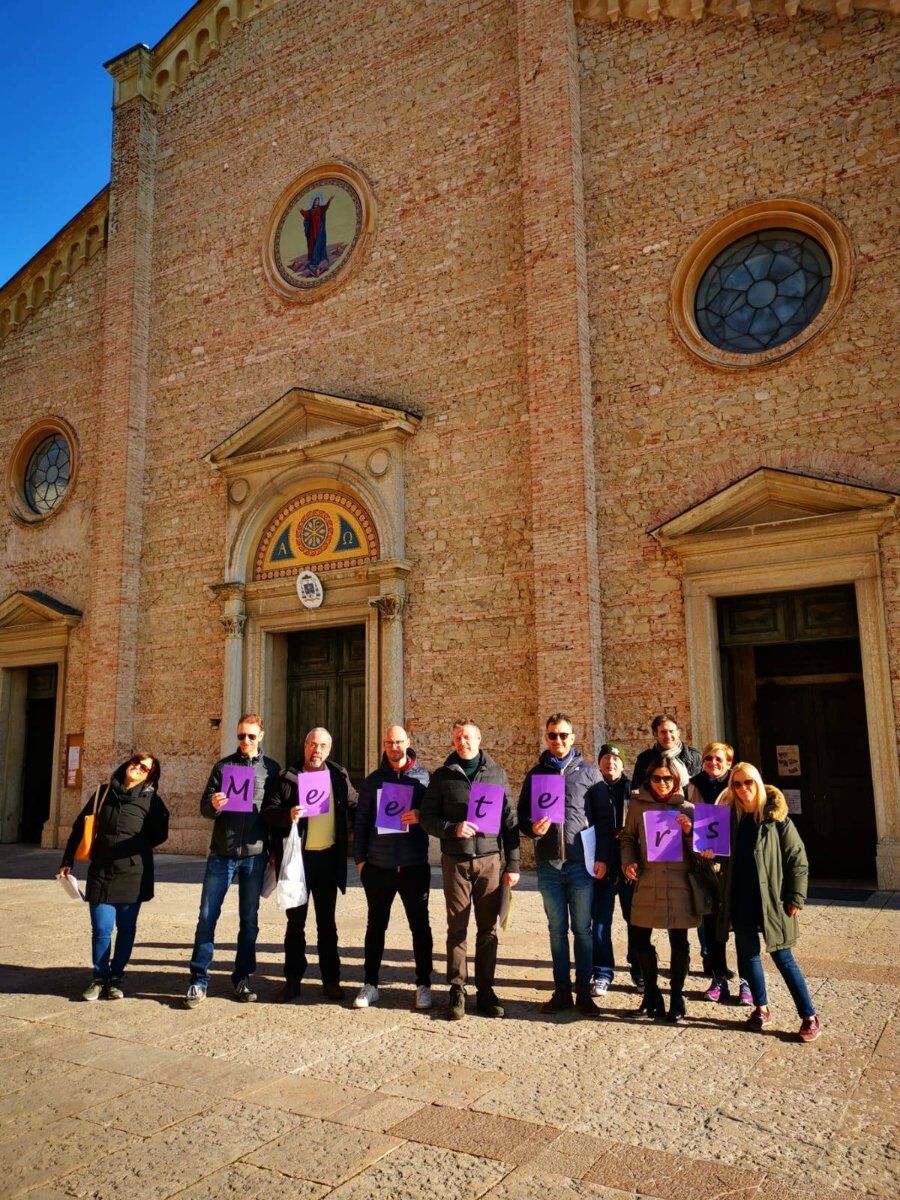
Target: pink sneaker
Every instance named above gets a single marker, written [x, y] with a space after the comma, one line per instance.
[810, 1029]
[717, 991]
[759, 1018]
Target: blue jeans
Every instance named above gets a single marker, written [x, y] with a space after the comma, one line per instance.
[105, 918]
[567, 893]
[605, 892]
[750, 967]
[220, 872]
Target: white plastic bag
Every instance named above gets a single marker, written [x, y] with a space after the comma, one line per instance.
[291, 890]
[270, 881]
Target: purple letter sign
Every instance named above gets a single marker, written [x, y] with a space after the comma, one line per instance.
[395, 800]
[712, 828]
[548, 798]
[663, 836]
[485, 807]
[314, 793]
[238, 785]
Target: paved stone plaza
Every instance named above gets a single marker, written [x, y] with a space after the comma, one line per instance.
[142, 1099]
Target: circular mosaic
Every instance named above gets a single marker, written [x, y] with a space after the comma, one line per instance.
[762, 290]
[316, 531]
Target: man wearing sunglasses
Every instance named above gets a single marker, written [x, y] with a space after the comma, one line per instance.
[238, 850]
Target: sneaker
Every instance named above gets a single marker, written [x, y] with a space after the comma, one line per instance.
[424, 999]
[759, 1018]
[456, 1003]
[244, 992]
[333, 990]
[196, 994]
[367, 996]
[599, 987]
[288, 991]
[717, 991]
[113, 990]
[558, 1002]
[94, 990]
[488, 1004]
[810, 1029]
[584, 1003]
[745, 996]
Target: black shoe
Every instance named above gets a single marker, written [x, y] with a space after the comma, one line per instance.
[585, 1004]
[653, 1005]
[488, 1004]
[637, 980]
[558, 1002]
[333, 990]
[456, 1003]
[244, 992]
[676, 1011]
[288, 991]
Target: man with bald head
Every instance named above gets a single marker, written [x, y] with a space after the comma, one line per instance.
[394, 860]
[324, 839]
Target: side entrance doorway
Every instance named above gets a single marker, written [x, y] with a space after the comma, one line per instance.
[29, 704]
[326, 685]
[795, 706]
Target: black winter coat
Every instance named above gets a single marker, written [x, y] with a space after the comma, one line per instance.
[239, 834]
[587, 803]
[391, 851]
[281, 797]
[129, 824]
[690, 759]
[446, 805]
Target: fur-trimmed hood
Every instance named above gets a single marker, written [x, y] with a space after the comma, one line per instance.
[775, 808]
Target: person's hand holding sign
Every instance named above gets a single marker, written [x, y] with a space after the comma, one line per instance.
[218, 800]
[685, 822]
[410, 817]
[465, 829]
[540, 827]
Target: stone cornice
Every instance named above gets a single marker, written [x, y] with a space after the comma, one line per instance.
[200, 34]
[33, 285]
[611, 11]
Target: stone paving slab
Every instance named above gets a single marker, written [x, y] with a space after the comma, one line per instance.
[145, 1100]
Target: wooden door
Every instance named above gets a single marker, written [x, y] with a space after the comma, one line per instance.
[326, 685]
[826, 722]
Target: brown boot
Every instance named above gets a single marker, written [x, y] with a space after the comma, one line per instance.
[288, 991]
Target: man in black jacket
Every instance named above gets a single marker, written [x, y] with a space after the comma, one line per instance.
[617, 787]
[325, 838]
[470, 862]
[394, 861]
[238, 849]
[668, 742]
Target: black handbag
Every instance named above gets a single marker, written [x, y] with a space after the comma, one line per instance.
[703, 888]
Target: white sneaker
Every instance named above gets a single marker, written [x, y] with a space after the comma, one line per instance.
[368, 995]
[423, 998]
[599, 987]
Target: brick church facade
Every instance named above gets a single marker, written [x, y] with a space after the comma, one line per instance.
[555, 344]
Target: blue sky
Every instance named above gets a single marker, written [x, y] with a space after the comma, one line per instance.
[55, 98]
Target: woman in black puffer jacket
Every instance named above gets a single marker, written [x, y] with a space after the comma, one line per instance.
[130, 820]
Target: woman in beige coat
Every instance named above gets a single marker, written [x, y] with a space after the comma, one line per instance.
[662, 896]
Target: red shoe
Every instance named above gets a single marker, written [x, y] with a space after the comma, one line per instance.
[810, 1029]
[759, 1018]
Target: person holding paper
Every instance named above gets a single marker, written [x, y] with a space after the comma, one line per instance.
[616, 787]
[130, 820]
[657, 857]
[765, 883]
[318, 795]
[238, 850]
[467, 806]
[705, 788]
[392, 856]
[566, 886]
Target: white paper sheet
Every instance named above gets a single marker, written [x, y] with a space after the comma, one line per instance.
[71, 887]
[589, 844]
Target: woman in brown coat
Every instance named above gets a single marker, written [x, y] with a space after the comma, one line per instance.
[662, 896]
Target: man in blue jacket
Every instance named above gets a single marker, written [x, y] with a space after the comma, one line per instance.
[238, 850]
[391, 862]
[565, 884]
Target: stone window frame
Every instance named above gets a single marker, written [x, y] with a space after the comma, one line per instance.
[337, 169]
[803, 216]
[18, 465]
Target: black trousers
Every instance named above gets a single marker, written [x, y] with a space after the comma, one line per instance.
[646, 955]
[381, 886]
[322, 883]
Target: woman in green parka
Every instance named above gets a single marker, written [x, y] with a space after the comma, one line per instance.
[764, 888]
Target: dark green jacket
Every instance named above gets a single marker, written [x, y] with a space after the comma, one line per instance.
[783, 870]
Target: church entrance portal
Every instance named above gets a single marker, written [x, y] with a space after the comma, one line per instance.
[326, 685]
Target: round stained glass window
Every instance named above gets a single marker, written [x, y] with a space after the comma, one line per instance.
[47, 474]
[762, 290]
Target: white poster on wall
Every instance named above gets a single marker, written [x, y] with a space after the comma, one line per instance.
[792, 795]
[788, 760]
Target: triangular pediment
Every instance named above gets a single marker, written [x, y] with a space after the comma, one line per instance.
[770, 497]
[31, 610]
[301, 420]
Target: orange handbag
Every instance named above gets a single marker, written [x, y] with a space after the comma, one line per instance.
[84, 846]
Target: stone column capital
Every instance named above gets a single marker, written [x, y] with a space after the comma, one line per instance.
[234, 625]
[390, 606]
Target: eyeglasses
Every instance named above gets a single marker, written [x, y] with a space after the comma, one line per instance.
[138, 765]
[248, 737]
[560, 737]
[662, 779]
[744, 783]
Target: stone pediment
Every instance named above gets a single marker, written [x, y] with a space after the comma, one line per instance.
[303, 425]
[768, 499]
[34, 610]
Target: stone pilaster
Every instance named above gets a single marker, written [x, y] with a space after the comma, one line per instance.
[390, 637]
[567, 609]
